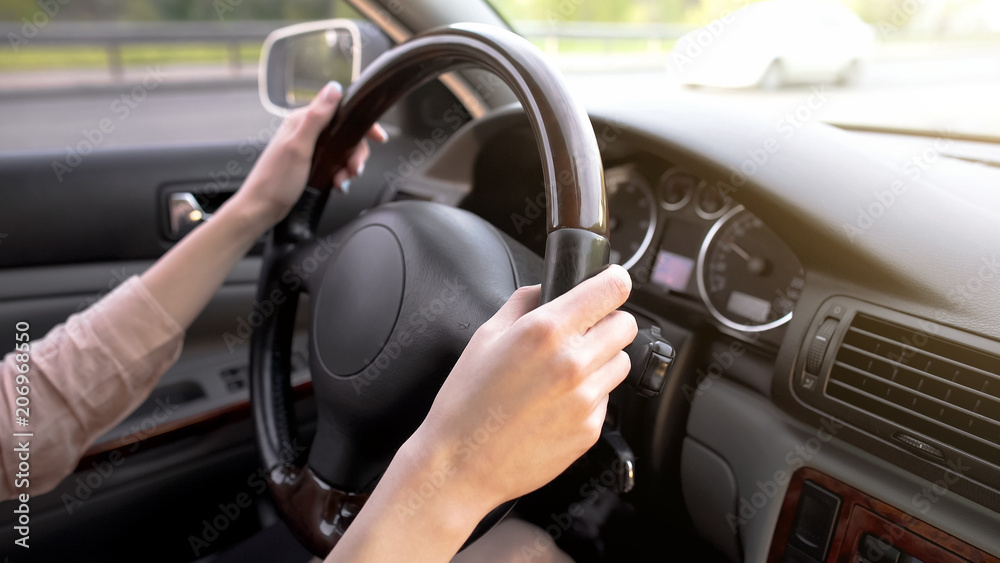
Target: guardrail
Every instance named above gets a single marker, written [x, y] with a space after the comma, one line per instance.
[551, 33]
[113, 35]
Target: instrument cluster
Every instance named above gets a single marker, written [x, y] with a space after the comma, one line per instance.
[683, 236]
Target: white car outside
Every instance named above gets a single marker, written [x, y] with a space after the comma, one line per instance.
[774, 43]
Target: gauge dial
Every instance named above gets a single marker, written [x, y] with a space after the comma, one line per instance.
[748, 278]
[631, 215]
[710, 201]
[676, 188]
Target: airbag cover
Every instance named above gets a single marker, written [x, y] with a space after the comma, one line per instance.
[359, 301]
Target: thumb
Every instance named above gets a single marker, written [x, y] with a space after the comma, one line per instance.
[321, 109]
[520, 303]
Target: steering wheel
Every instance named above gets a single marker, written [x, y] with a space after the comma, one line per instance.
[396, 294]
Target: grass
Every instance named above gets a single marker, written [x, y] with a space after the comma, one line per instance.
[50, 57]
[603, 47]
[90, 56]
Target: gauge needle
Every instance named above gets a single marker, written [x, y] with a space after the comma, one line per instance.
[755, 264]
[739, 251]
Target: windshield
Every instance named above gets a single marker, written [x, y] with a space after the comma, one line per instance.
[919, 66]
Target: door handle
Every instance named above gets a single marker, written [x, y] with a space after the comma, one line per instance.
[185, 214]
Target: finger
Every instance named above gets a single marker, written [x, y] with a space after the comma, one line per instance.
[586, 304]
[611, 374]
[595, 420]
[524, 300]
[378, 134]
[609, 336]
[356, 162]
[342, 181]
[320, 111]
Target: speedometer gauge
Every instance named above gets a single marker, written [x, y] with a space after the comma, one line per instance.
[631, 215]
[748, 278]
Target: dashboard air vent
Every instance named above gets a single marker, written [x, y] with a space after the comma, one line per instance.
[946, 391]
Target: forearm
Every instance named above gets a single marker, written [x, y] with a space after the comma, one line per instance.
[422, 511]
[187, 276]
[84, 377]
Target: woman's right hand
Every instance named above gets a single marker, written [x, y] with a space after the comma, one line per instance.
[527, 397]
[529, 394]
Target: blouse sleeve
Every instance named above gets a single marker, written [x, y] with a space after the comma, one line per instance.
[85, 376]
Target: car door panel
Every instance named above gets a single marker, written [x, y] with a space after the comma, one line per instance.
[189, 447]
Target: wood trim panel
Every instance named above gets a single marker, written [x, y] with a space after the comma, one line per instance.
[181, 428]
[862, 514]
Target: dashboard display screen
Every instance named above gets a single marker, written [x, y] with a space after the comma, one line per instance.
[677, 257]
[672, 271]
[753, 308]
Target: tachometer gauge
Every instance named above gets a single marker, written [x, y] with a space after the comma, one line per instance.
[631, 215]
[748, 278]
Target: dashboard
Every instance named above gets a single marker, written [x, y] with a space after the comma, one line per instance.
[691, 246]
[799, 316]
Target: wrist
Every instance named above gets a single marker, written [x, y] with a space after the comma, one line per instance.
[437, 487]
[255, 217]
[420, 511]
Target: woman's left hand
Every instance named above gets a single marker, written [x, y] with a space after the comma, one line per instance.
[280, 174]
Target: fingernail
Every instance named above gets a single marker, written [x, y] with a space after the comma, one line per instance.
[345, 187]
[361, 168]
[330, 87]
[382, 132]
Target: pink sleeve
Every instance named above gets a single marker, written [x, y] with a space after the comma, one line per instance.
[85, 376]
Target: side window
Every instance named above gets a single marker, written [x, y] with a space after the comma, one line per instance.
[76, 76]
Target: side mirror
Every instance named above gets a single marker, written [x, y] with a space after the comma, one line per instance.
[298, 60]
